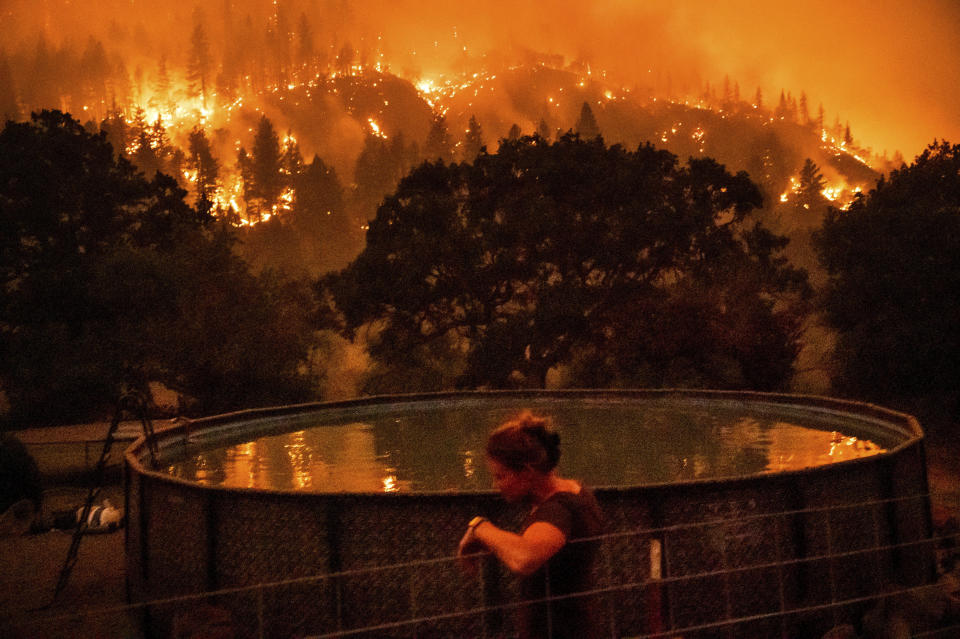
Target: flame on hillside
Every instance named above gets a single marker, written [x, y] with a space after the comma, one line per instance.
[179, 111]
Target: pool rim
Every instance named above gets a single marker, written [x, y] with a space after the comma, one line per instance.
[181, 430]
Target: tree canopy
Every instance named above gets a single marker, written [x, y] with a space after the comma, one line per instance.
[893, 261]
[111, 279]
[621, 266]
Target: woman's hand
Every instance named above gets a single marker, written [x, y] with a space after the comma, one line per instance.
[468, 550]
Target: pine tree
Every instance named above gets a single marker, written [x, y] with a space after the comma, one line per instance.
[42, 91]
[278, 38]
[119, 87]
[138, 126]
[345, 59]
[161, 98]
[812, 184]
[145, 157]
[781, 111]
[543, 131]
[318, 207]
[847, 136]
[305, 48]
[473, 141]
[376, 173]
[586, 125]
[9, 107]
[158, 135]
[266, 165]
[200, 62]
[514, 133]
[94, 70]
[138, 85]
[245, 169]
[821, 114]
[202, 161]
[117, 130]
[292, 161]
[437, 145]
[403, 155]
[804, 110]
[758, 99]
[727, 94]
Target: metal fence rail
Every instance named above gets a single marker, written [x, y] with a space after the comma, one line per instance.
[252, 611]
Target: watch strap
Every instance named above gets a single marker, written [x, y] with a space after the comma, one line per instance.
[476, 521]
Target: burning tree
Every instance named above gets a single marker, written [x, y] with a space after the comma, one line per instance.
[620, 266]
[200, 63]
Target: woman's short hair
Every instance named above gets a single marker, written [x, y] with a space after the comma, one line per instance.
[525, 440]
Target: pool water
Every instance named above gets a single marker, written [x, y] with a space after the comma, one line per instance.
[438, 448]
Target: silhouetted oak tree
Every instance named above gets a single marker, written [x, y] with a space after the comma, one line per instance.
[109, 278]
[614, 263]
[894, 283]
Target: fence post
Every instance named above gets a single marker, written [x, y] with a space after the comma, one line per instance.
[780, 532]
[260, 621]
[654, 597]
[831, 571]
[483, 598]
[724, 565]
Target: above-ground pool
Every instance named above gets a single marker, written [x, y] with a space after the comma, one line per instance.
[429, 446]
[745, 509]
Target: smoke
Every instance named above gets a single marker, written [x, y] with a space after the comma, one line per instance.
[892, 69]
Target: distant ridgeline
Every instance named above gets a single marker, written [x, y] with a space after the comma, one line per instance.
[234, 128]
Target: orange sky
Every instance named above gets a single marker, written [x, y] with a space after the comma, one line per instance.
[891, 68]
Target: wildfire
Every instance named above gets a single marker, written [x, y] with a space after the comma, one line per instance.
[840, 147]
[841, 193]
[375, 128]
[179, 110]
[285, 204]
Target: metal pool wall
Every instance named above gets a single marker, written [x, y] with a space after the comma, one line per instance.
[762, 555]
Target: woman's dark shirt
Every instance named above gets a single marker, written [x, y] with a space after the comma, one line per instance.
[571, 570]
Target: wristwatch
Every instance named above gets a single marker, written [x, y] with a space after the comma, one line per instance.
[476, 521]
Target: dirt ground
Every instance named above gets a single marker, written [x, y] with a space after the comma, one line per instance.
[32, 564]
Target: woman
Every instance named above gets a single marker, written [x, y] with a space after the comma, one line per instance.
[522, 456]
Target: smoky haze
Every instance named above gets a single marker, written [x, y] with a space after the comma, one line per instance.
[891, 69]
